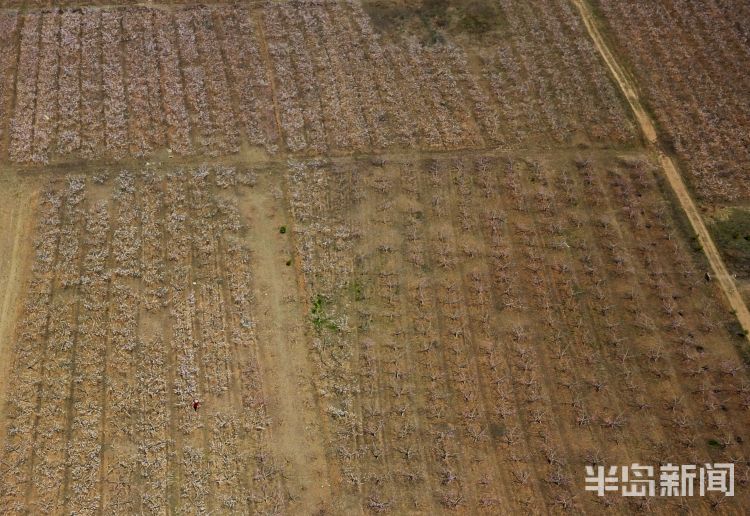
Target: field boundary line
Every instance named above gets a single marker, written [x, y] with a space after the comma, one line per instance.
[670, 169]
[80, 297]
[282, 158]
[10, 315]
[271, 75]
[112, 207]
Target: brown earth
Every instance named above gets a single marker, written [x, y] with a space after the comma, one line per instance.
[384, 295]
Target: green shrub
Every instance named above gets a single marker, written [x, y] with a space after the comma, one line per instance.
[320, 319]
[732, 236]
[431, 18]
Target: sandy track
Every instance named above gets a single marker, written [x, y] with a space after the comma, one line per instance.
[671, 171]
[15, 247]
[281, 341]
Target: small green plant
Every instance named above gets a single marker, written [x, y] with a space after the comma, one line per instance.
[282, 229]
[288, 263]
[357, 291]
[320, 319]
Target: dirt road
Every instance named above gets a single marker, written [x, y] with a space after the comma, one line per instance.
[670, 169]
[16, 205]
[286, 372]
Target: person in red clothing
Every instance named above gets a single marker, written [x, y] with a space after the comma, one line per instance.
[196, 405]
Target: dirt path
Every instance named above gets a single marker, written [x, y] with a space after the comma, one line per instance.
[266, 55]
[670, 170]
[286, 372]
[16, 231]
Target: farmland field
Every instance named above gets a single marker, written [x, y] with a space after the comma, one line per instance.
[341, 258]
[695, 56]
[133, 81]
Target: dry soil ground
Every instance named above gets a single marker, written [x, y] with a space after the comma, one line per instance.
[428, 303]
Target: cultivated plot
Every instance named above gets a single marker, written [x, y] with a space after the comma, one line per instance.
[407, 334]
[319, 257]
[109, 83]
